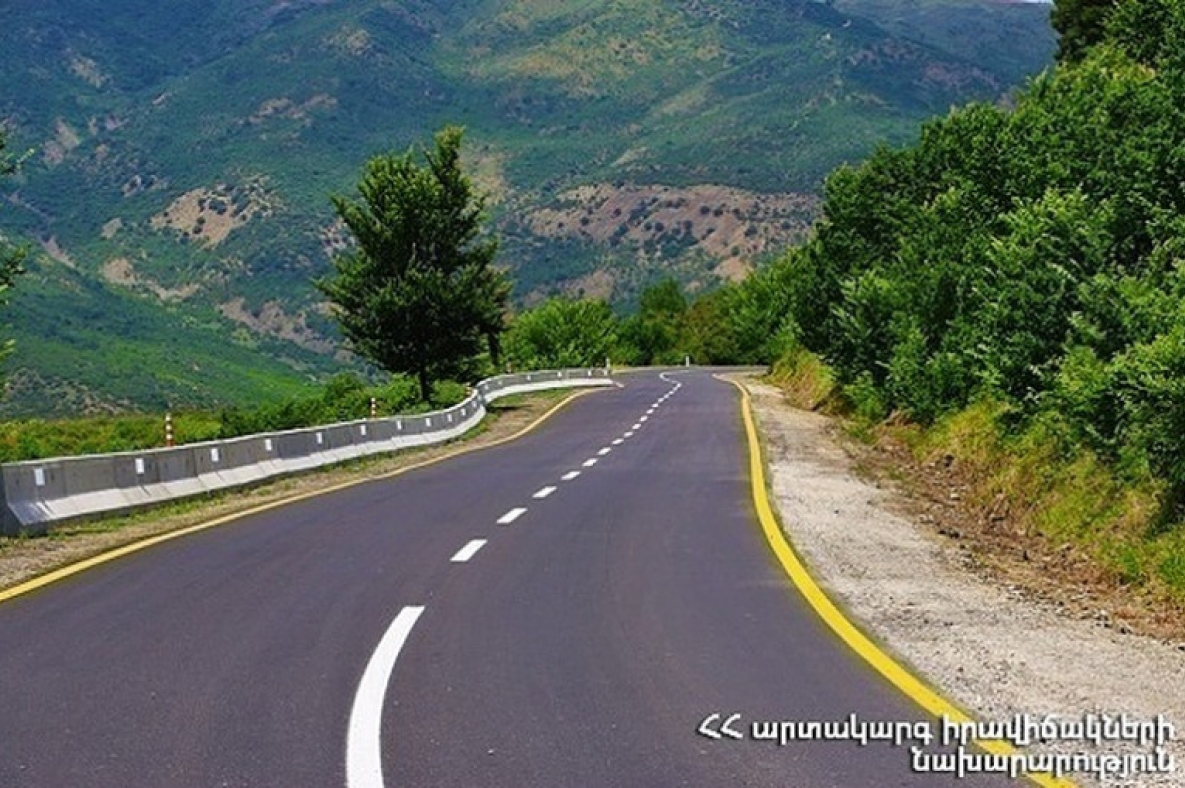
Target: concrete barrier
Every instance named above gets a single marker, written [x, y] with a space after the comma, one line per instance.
[41, 493]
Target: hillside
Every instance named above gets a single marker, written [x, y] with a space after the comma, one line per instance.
[177, 190]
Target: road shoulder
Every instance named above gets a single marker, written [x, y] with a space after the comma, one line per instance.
[991, 649]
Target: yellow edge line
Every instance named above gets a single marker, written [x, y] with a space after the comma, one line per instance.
[856, 640]
[152, 541]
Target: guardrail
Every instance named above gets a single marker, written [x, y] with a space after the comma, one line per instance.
[40, 493]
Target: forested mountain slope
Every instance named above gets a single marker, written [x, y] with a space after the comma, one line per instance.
[176, 195]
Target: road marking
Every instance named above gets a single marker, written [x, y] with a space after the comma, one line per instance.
[590, 462]
[618, 441]
[72, 569]
[570, 475]
[629, 434]
[643, 420]
[364, 750]
[637, 426]
[841, 625]
[604, 451]
[468, 551]
[546, 491]
[512, 515]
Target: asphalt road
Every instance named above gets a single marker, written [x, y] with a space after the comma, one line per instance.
[397, 634]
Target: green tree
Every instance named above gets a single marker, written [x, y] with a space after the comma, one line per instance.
[418, 293]
[1151, 31]
[1081, 25]
[562, 332]
[652, 335]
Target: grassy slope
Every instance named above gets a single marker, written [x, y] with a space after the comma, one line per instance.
[142, 108]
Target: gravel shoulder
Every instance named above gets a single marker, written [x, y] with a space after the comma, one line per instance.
[991, 648]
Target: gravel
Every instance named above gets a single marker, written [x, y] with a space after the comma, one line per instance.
[988, 648]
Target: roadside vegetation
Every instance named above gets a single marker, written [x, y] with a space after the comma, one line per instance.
[343, 398]
[1009, 294]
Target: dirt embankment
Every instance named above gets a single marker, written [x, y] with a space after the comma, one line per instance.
[987, 643]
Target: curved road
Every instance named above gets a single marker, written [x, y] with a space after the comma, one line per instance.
[423, 631]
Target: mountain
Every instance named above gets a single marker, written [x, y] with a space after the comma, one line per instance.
[182, 157]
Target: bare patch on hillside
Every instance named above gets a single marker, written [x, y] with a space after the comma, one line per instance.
[88, 71]
[208, 216]
[350, 40]
[138, 184]
[111, 228]
[335, 239]
[291, 110]
[733, 269]
[56, 253]
[598, 284]
[272, 320]
[488, 172]
[727, 224]
[950, 76]
[120, 271]
[65, 140]
[956, 78]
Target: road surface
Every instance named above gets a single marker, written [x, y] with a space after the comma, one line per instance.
[564, 610]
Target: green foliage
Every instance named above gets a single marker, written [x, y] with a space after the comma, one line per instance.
[1081, 24]
[34, 439]
[418, 293]
[10, 258]
[1150, 31]
[653, 334]
[345, 397]
[560, 333]
[1033, 258]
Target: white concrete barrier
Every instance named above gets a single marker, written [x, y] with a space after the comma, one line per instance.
[40, 493]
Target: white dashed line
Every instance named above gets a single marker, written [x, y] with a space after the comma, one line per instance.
[643, 420]
[590, 462]
[468, 551]
[637, 426]
[604, 451]
[618, 441]
[546, 491]
[570, 475]
[629, 434]
[512, 515]
[364, 751]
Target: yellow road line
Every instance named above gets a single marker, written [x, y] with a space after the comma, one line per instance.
[144, 544]
[856, 640]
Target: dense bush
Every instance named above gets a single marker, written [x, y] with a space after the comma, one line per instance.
[1031, 256]
[561, 333]
[344, 398]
